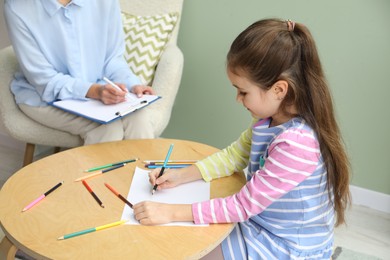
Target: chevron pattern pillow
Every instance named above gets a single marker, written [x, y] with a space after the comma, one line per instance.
[145, 40]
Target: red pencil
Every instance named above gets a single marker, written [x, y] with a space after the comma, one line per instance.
[119, 195]
[93, 194]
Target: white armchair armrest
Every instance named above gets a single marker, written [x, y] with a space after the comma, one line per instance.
[166, 83]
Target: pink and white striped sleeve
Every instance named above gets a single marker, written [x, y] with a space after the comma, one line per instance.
[292, 157]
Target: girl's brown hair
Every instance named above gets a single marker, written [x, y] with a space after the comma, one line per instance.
[271, 50]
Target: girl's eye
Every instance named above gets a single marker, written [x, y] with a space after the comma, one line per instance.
[241, 93]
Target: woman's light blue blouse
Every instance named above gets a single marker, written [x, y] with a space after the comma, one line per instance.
[62, 51]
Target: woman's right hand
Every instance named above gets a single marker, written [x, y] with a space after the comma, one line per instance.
[107, 93]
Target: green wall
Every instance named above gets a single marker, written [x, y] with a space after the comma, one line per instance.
[353, 38]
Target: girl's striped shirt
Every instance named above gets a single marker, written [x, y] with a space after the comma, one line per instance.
[284, 211]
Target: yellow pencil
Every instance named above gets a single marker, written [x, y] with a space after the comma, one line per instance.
[89, 230]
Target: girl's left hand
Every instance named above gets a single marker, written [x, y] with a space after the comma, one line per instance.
[140, 90]
[155, 213]
[152, 213]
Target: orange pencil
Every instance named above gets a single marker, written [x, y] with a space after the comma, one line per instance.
[119, 195]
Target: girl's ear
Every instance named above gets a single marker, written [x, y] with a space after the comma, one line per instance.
[280, 89]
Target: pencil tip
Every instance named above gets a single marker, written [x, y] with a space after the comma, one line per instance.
[60, 238]
[102, 206]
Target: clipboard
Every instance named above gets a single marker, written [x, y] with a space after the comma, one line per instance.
[96, 111]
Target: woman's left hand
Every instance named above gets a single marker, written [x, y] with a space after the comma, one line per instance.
[140, 90]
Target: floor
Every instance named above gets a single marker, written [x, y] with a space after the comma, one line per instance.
[367, 231]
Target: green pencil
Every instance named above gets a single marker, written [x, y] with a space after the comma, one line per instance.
[89, 230]
[110, 165]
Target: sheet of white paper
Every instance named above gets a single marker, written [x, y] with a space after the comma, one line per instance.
[141, 190]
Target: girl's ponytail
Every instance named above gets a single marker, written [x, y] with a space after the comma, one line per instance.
[321, 117]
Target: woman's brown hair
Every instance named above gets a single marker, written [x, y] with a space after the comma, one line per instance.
[271, 50]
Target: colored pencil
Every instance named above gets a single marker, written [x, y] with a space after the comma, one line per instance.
[110, 165]
[100, 172]
[119, 195]
[170, 161]
[93, 194]
[42, 197]
[167, 166]
[89, 230]
[163, 168]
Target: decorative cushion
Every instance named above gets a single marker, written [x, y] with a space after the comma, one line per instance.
[145, 40]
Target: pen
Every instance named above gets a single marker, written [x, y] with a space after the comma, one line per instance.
[119, 195]
[110, 165]
[117, 87]
[163, 168]
[42, 196]
[89, 230]
[101, 172]
[93, 194]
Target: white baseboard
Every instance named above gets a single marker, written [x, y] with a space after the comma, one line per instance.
[371, 199]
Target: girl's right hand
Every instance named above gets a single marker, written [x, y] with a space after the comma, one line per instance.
[169, 179]
[174, 177]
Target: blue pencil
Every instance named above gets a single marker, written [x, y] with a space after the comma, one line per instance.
[168, 166]
[163, 168]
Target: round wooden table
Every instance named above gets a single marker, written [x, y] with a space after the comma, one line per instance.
[71, 208]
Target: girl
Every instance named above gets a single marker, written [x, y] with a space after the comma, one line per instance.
[298, 171]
